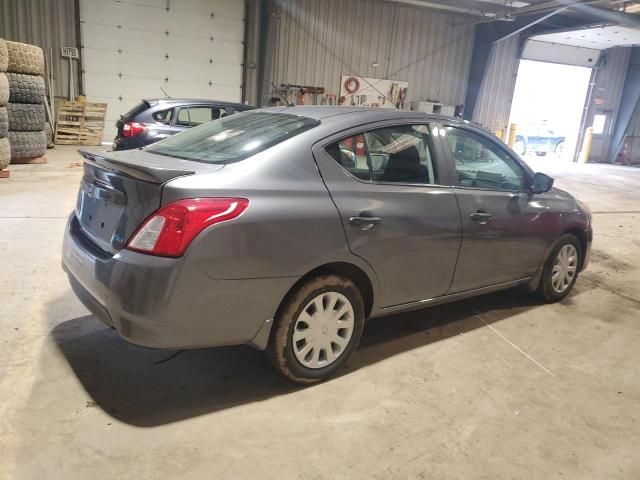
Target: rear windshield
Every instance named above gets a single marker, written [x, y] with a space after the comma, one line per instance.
[139, 108]
[233, 138]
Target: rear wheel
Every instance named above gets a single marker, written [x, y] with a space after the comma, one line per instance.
[317, 329]
[520, 147]
[561, 269]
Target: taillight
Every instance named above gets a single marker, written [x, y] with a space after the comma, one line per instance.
[132, 129]
[170, 230]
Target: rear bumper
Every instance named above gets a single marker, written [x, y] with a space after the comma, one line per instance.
[123, 143]
[168, 303]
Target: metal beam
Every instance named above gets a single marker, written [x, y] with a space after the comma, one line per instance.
[531, 24]
[482, 43]
[268, 27]
[473, 7]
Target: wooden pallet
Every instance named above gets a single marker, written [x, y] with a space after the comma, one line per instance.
[80, 123]
[29, 161]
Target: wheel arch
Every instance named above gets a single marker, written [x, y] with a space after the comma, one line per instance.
[581, 235]
[344, 269]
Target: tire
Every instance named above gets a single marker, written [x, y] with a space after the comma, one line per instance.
[541, 154]
[4, 56]
[4, 122]
[546, 289]
[48, 131]
[27, 144]
[24, 58]
[558, 147]
[25, 88]
[4, 89]
[24, 117]
[5, 153]
[281, 350]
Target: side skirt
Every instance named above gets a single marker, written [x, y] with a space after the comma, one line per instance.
[450, 298]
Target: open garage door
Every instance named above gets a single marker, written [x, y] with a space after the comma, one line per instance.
[581, 47]
[547, 108]
[134, 49]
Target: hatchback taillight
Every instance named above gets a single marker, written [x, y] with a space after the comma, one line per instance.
[132, 129]
[170, 230]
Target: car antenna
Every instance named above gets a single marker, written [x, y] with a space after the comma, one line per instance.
[283, 96]
[166, 95]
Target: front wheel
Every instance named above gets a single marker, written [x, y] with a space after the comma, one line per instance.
[317, 329]
[560, 271]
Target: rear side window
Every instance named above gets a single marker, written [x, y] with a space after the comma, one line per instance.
[194, 116]
[234, 137]
[163, 116]
[350, 153]
[398, 154]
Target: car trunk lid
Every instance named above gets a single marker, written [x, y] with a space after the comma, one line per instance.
[120, 189]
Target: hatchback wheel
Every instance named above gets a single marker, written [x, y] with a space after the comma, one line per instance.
[561, 269]
[317, 329]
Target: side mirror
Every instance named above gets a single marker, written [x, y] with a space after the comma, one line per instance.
[541, 183]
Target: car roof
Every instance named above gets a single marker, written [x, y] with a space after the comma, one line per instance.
[329, 113]
[199, 101]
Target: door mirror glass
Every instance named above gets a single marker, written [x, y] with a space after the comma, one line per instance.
[541, 183]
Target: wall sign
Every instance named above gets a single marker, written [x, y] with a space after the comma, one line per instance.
[372, 92]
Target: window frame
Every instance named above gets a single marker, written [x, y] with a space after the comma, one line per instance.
[499, 146]
[432, 146]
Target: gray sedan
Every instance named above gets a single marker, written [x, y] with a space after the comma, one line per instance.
[287, 228]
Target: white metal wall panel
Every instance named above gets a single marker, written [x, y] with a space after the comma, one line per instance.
[131, 48]
[498, 84]
[319, 41]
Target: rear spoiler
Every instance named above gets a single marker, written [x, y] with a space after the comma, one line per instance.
[139, 171]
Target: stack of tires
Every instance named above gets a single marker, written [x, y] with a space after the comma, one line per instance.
[5, 150]
[24, 114]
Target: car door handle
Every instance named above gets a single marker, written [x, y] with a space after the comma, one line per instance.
[365, 223]
[481, 217]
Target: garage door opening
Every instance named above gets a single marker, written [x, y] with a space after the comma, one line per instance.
[547, 108]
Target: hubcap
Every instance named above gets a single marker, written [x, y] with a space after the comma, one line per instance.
[323, 329]
[564, 268]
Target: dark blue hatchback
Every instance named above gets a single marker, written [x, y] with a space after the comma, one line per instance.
[155, 119]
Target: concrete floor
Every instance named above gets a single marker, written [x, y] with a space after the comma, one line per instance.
[495, 387]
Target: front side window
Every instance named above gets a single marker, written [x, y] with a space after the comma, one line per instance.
[233, 138]
[482, 164]
[398, 154]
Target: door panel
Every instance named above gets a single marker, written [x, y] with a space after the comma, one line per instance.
[504, 226]
[412, 241]
[508, 247]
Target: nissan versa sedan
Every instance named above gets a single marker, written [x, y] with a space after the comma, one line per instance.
[287, 228]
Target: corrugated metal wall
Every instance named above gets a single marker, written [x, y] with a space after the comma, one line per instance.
[499, 82]
[49, 24]
[632, 133]
[605, 98]
[319, 41]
